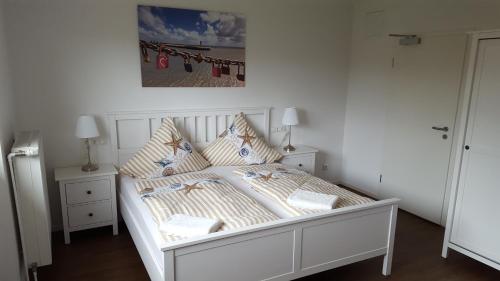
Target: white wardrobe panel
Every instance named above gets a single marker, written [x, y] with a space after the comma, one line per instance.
[475, 224]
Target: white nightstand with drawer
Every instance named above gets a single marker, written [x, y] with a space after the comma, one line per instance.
[303, 158]
[88, 199]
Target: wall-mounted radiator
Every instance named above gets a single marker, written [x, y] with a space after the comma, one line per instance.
[32, 203]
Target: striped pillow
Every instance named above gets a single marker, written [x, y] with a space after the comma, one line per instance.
[239, 145]
[167, 153]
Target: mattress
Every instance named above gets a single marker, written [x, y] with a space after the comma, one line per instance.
[128, 194]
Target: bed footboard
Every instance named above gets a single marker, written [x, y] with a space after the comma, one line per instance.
[288, 249]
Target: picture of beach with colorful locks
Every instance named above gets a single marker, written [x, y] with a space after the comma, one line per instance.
[191, 48]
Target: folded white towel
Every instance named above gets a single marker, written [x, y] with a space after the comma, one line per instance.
[189, 226]
[311, 200]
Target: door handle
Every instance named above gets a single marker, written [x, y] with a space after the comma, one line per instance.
[444, 129]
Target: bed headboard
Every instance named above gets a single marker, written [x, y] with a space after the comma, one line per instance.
[130, 130]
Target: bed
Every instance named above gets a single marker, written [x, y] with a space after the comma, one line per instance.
[285, 249]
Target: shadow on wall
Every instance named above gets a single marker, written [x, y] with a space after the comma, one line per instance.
[303, 118]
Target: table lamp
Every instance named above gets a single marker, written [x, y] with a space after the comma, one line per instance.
[86, 128]
[290, 118]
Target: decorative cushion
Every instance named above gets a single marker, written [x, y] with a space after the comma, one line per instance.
[166, 153]
[239, 145]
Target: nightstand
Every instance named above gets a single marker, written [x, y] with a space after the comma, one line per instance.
[88, 199]
[303, 158]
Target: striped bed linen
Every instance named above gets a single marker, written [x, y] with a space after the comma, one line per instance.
[280, 187]
[144, 163]
[222, 152]
[215, 200]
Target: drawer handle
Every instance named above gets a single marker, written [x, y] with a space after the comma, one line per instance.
[300, 165]
[91, 215]
[89, 192]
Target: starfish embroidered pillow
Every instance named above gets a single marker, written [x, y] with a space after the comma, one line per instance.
[167, 153]
[239, 145]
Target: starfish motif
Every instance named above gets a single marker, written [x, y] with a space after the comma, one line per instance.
[175, 143]
[191, 187]
[247, 138]
[267, 177]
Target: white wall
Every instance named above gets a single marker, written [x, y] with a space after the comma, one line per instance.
[370, 65]
[75, 57]
[9, 262]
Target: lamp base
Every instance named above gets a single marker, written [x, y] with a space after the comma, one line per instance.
[90, 167]
[289, 148]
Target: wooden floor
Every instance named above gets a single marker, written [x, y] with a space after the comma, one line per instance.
[97, 255]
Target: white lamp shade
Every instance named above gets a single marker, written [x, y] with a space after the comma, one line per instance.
[290, 117]
[86, 127]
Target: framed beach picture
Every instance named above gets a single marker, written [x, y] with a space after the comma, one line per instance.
[191, 48]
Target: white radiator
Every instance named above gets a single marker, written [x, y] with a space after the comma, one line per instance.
[32, 202]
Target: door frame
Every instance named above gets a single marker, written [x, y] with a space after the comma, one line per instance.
[461, 130]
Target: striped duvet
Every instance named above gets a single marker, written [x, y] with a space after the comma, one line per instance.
[214, 200]
[283, 182]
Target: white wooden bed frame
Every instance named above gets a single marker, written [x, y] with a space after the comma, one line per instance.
[281, 250]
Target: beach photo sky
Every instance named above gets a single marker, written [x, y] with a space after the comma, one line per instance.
[182, 26]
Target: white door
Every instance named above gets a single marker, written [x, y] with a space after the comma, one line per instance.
[476, 224]
[423, 93]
